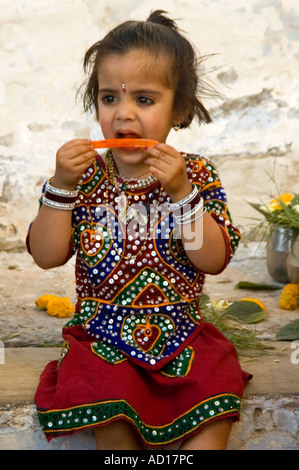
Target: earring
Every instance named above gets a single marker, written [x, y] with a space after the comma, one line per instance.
[176, 127]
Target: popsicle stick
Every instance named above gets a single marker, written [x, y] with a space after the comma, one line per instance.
[123, 143]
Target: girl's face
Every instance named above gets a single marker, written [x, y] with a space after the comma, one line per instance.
[133, 102]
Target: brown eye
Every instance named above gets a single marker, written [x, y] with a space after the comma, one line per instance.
[108, 99]
[145, 100]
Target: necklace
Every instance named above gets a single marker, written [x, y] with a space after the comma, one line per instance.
[130, 256]
[121, 184]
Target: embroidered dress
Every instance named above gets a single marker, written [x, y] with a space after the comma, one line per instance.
[137, 347]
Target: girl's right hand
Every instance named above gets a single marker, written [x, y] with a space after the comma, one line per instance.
[72, 159]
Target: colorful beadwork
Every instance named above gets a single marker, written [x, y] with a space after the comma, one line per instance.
[180, 365]
[139, 293]
[144, 336]
[62, 421]
[107, 353]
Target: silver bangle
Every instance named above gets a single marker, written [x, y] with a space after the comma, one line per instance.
[187, 215]
[189, 220]
[60, 192]
[58, 205]
[177, 205]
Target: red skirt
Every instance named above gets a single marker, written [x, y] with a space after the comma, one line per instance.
[92, 385]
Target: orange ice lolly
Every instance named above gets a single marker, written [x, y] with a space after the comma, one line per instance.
[123, 143]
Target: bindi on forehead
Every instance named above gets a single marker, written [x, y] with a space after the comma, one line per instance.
[123, 87]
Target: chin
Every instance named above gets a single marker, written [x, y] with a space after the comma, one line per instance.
[130, 154]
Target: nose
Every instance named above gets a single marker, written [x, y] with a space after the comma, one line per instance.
[125, 110]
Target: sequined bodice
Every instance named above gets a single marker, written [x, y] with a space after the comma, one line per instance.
[136, 278]
[133, 264]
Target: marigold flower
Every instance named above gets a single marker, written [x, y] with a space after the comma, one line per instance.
[56, 306]
[42, 302]
[289, 297]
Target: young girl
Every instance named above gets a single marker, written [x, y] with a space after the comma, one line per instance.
[139, 365]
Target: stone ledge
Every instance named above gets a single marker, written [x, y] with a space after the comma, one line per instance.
[274, 374]
[269, 420]
[19, 375]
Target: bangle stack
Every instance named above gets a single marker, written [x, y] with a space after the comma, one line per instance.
[57, 198]
[186, 210]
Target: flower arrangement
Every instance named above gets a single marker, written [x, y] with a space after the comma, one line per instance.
[283, 211]
[55, 306]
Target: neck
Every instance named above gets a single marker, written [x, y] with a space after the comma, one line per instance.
[135, 171]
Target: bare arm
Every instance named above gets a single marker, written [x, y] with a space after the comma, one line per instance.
[204, 244]
[202, 238]
[51, 230]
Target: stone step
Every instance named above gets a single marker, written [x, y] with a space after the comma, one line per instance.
[270, 417]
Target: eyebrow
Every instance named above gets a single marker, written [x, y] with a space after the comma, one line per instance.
[138, 91]
[107, 90]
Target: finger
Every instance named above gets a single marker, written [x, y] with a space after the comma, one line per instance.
[85, 158]
[156, 161]
[162, 163]
[75, 143]
[156, 153]
[80, 150]
[166, 154]
[73, 148]
[157, 172]
[160, 170]
[166, 150]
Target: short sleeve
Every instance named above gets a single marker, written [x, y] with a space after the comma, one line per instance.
[204, 174]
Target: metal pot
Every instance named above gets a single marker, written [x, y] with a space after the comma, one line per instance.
[293, 263]
[279, 246]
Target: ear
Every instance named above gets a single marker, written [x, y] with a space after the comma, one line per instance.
[179, 118]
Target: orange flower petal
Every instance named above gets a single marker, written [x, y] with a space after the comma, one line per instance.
[256, 301]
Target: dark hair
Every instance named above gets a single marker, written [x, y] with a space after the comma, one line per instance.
[158, 35]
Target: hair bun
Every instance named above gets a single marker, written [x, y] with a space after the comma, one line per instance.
[158, 17]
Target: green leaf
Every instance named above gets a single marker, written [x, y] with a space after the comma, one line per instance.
[289, 332]
[245, 311]
[256, 206]
[254, 286]
[295, 200]
[204, 300]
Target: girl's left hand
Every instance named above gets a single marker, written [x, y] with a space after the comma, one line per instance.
[168, 165]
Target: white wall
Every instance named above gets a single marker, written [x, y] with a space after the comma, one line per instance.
[42, 44]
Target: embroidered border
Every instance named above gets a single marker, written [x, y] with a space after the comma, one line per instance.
[58, 422]
[181, 365]
[107, 353]
[64, 352]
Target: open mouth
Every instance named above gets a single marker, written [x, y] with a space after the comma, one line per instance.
[127, 135]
